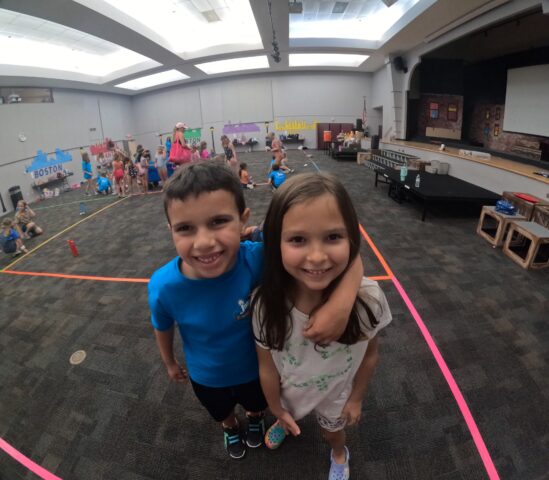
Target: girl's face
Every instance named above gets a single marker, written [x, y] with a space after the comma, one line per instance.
[314, 243]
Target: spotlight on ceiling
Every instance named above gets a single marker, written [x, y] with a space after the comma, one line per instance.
[276, 57]
[296, 7]
[389, 2]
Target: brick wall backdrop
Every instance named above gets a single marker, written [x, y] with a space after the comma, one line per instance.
[442, 121]
[483, 126]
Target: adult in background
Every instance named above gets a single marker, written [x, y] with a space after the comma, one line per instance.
[180, 152]
[23, 221]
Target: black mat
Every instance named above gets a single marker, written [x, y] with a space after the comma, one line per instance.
[116, 416]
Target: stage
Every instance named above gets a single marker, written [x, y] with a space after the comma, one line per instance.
[496, 174]
[433, 189]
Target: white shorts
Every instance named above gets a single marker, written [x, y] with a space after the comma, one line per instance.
[327, 408]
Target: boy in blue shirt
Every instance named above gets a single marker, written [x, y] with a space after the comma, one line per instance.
[277, 177]
[104, 185]
[206, 291]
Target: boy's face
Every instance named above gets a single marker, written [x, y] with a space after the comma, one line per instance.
[206, 232]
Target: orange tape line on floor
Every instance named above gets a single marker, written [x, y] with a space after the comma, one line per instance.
[110, 279]
[376, 252]
[78, 277]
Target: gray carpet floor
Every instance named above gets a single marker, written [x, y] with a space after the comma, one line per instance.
[116, 416]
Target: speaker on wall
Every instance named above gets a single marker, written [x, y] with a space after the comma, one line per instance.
[359, 124]
[398, 62]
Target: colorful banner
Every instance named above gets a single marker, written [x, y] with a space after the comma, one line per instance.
[232, 128]
[42, 166]
[193, 134]
[294, 125]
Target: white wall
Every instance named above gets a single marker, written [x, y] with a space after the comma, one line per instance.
[381, 97]
[64, 124]
[324, 97]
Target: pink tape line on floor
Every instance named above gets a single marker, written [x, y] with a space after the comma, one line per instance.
[469, 420]
[27, 462]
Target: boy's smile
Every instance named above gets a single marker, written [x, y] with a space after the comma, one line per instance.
[206, 233]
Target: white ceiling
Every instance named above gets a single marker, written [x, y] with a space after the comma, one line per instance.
[140, 44]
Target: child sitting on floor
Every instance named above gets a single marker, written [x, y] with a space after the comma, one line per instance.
[104, 185]
[10, 240]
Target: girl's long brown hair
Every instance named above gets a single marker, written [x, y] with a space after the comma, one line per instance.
[274, 300]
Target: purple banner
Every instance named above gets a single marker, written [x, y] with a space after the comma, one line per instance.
[240, 128]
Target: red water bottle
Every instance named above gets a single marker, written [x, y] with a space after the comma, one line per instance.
[73, 248]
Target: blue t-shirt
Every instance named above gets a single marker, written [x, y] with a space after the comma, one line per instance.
[213, 317]
[87, 169]
[277, 177]
[103, 183]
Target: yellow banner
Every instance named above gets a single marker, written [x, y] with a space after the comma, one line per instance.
[294, 125]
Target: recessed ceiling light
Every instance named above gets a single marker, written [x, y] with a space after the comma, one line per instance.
[211, 16]
[234, 64]
[326, 59]
[340, 7]
[152, 80]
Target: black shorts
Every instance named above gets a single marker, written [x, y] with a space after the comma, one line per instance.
[220, 401]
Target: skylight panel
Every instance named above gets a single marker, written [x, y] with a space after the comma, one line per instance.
[234, 65]
[189, 28]
[27, 41]
[371, 26]
[326, 60]
[153, 80]
[33, 53]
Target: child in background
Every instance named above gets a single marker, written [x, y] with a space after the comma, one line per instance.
[10, 239]
[131, 174]
[230, 154]
[23, 221]
[143, 169]
[205, 291]
[279, 157]
[276, 177]
[195, 154]
[118, 173]
[311, 238]
[87, 171]
[204, 154]
[104, 185]
[160, 163]
[245, 179]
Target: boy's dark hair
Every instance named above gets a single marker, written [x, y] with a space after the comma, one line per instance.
[276, 166]
[274, 295]
[207, 176]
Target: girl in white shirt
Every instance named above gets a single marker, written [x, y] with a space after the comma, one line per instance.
[311, 237]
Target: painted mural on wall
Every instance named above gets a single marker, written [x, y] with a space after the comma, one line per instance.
[440, 111]
[42, 166]
[235, 128]
[193, 134]
[294, 125]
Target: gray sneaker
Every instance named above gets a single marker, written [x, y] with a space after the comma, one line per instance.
[256, 431]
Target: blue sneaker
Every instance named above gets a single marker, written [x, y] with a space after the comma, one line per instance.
[339, 471]
[234, 444]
